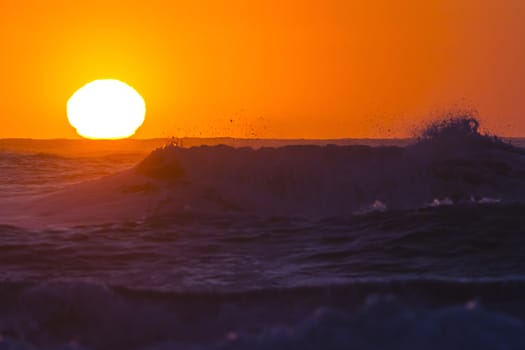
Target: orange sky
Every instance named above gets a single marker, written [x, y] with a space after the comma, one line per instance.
[313, 69]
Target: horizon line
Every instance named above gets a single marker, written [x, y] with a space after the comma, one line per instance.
[228, 138]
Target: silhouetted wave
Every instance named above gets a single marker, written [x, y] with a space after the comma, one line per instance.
[451, 161]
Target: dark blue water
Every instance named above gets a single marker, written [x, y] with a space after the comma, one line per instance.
[392, 246]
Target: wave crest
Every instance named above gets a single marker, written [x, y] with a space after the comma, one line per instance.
[457, 133]
[161, 164]
[451, 159]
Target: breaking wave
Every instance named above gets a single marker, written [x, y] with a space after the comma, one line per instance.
[450, 163]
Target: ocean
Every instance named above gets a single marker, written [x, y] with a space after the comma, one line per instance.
[264, 244]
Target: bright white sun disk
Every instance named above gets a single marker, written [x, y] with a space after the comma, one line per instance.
[106, 109]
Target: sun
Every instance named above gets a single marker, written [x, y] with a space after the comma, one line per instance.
[106, 109]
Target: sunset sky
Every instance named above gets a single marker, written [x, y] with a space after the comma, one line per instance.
[312, 69]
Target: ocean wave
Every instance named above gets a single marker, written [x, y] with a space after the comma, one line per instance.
[408, 315]
[238, 253]
[452, 160]
[451, 163]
